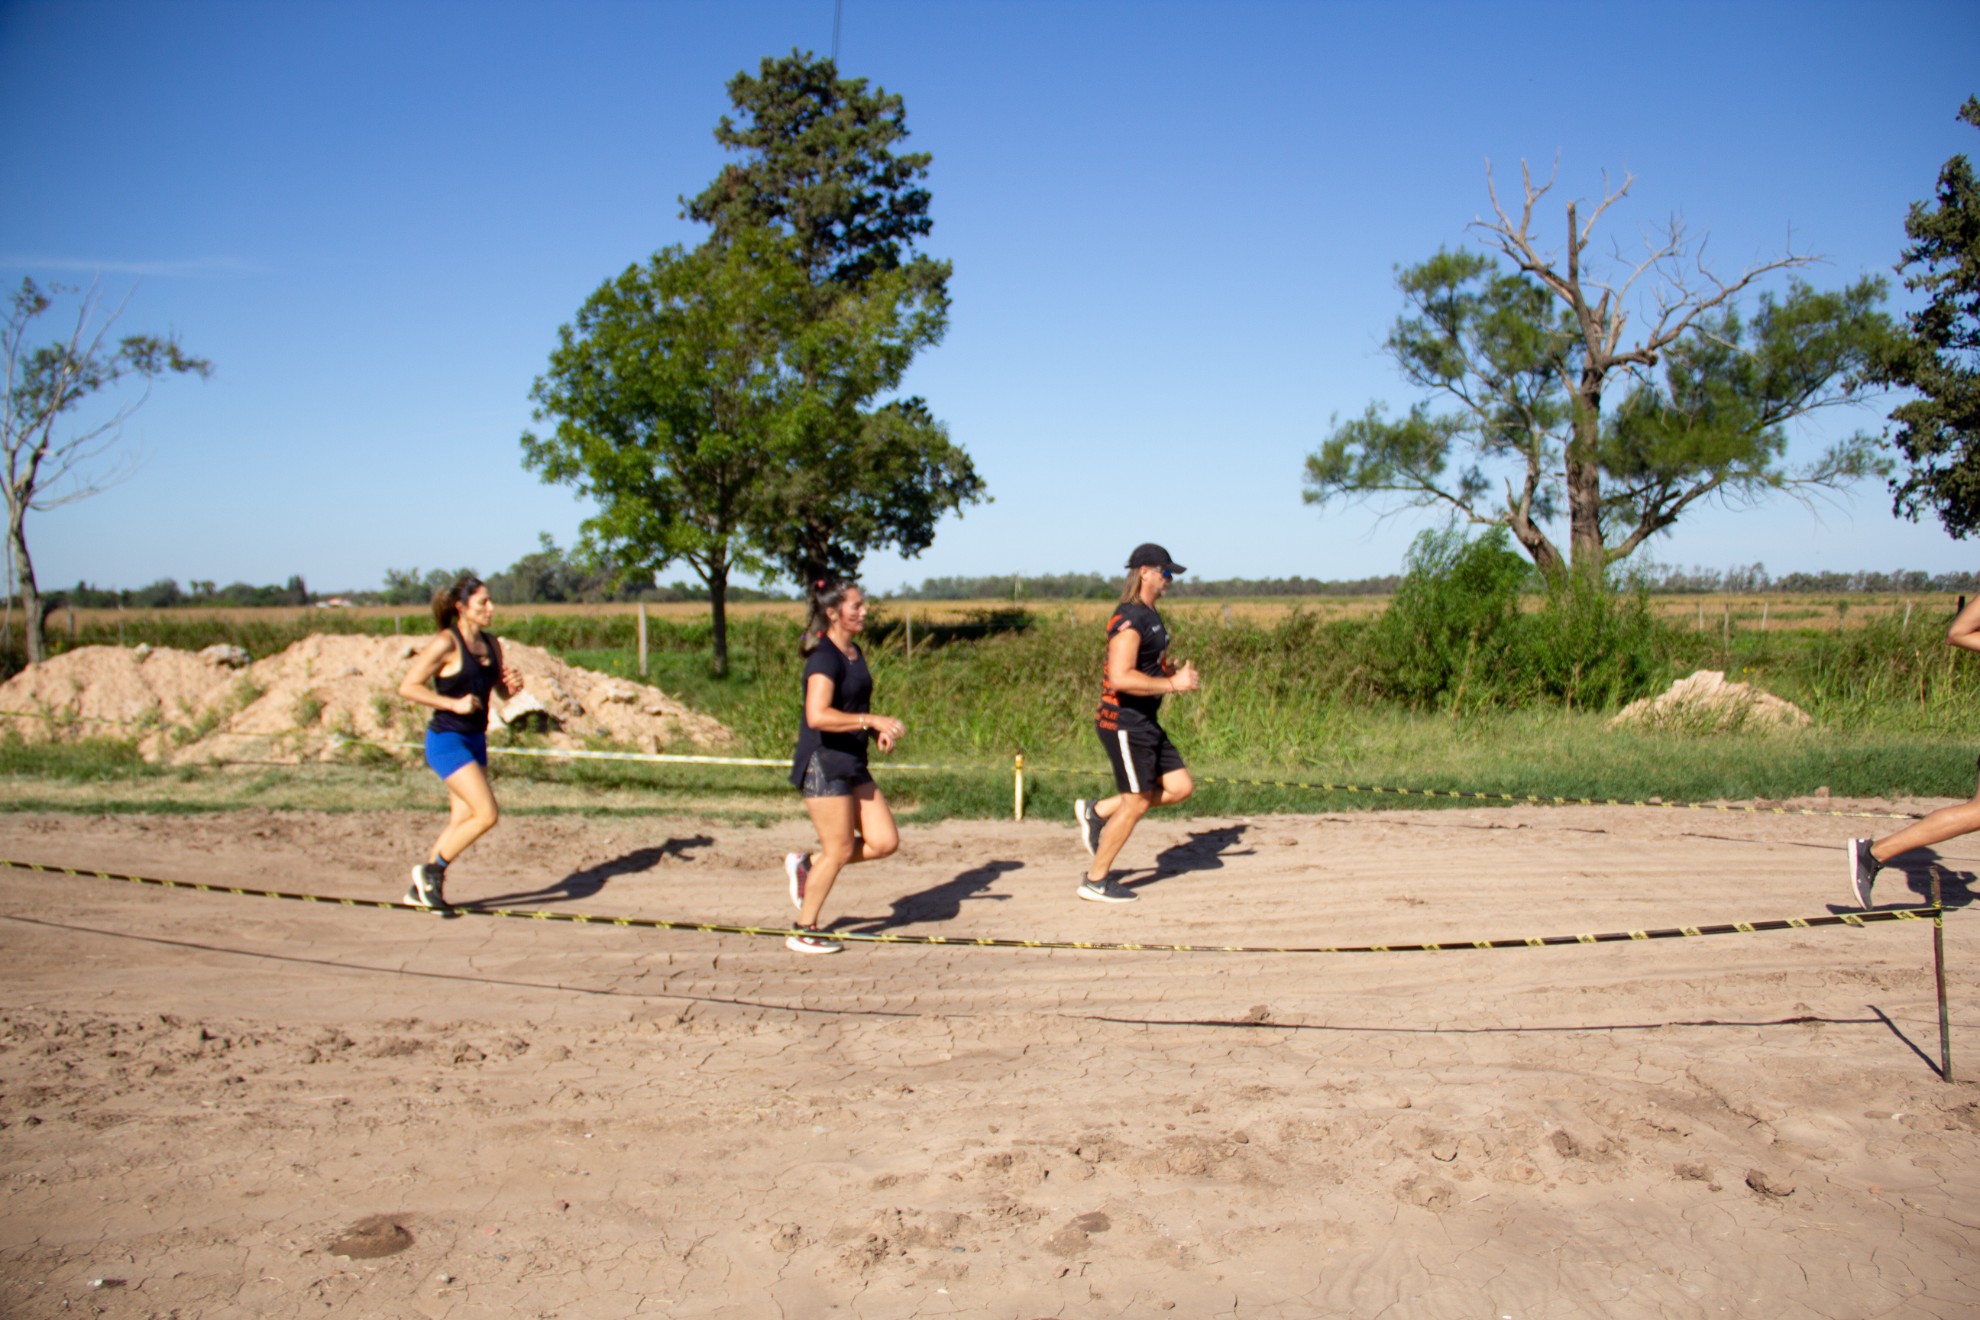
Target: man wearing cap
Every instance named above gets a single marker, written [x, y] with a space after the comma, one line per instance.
[1148, 770]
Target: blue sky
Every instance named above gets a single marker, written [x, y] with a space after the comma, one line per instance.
[1174, 229]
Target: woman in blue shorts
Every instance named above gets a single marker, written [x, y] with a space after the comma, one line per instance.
[463, 664]
[835, 723]
[1148, 770]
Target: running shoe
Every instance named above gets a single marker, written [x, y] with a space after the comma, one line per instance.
[808, 940]
[1089, 824]
[425, 891]
[798, 867]
[1863, 868]
[1109, 890]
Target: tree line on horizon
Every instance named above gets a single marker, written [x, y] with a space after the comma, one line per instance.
[548, 577]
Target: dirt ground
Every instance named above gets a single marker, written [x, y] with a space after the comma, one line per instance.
[222, 1106]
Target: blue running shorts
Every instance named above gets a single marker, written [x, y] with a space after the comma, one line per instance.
[448, 752]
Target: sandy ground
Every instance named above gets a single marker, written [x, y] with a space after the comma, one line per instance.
[216, 1106]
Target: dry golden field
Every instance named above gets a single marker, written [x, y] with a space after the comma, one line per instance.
[1711, 612]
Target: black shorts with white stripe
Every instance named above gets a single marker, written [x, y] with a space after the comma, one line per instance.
[1140, 754]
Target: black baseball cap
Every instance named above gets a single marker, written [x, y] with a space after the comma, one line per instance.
[1150, 555]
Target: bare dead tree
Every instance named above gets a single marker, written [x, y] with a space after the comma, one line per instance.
[1541, 397]
[49, 454]
[1684, 293]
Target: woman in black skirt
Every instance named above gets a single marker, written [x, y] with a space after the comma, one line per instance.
[835, 724]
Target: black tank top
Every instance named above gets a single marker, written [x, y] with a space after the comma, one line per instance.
[476, 678]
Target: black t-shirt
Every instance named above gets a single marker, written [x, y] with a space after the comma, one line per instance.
[839, 754]
[1126, 708]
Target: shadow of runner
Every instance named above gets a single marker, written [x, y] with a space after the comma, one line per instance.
[942, 903]
[1205, 850]
[1955, 887]
[586, 883]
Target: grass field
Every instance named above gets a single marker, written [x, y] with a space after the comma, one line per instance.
[1291, 694]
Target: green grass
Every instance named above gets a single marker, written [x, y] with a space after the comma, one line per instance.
[1541, 754]
[87, 761]
[1297, 697]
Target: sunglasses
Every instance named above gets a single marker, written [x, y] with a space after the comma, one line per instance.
[1167, 576]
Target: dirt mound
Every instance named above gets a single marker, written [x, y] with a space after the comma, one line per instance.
[89, 691]
[302, 703]
[1705, 701]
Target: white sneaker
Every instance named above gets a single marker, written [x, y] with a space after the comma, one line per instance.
[808, 940]
[797, 866]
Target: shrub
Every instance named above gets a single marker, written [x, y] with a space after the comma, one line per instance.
[1452, 633]
[1594, 644]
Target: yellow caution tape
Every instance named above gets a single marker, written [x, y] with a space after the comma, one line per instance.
[1872, 917]
[1530, 798]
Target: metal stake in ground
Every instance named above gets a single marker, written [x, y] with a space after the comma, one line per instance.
[1939, 970]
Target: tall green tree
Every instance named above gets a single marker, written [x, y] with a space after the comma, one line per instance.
[49, 448]
[665, 393]
[1938, 353]
[1543, 399]
[702, 397]
[729, 406]
[819, 162]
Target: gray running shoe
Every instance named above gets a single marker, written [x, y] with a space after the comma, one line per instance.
[1863, 870]
[808, 940]
[1109, 890]
[425, 891]
[1089, 824]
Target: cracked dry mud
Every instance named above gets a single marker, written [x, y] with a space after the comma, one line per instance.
[201, 1096]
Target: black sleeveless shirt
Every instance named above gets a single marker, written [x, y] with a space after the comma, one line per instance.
[476, 678]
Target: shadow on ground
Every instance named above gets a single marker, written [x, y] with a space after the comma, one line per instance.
[941, 903]
[588, 882]
[1204, 850]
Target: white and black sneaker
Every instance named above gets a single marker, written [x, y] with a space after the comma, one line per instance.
[797, 866]
[807, 939]
[1090, 825]
[1109, 890]
[1863, 868]
[426, 883]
